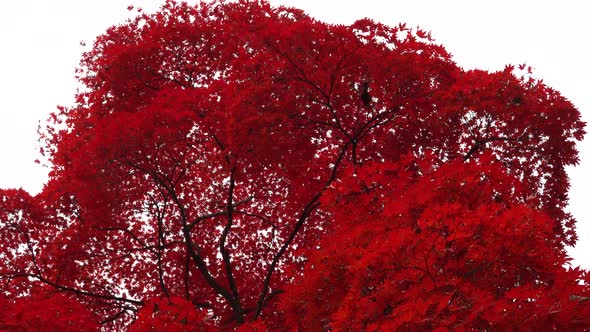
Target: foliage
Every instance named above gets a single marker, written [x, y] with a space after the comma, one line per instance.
[45, 311]
[449, 250]
[232, 165]
[173, 314]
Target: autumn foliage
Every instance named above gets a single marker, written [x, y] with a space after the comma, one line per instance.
[235, 166]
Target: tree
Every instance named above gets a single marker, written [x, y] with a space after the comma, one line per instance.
[232, 165]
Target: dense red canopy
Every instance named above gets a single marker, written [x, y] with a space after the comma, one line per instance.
[235, 165]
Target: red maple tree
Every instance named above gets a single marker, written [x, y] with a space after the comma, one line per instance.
[231, 165]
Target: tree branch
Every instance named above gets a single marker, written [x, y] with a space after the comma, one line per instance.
[307, 211]
[193, 250]
[159, 248]
[76, 291]
[478, 144]
[187, 261]
[29, 246]
[236, 305]
[217, 214]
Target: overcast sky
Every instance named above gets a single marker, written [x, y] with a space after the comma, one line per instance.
[40, 47]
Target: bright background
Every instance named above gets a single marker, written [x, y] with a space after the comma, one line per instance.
[40, 47]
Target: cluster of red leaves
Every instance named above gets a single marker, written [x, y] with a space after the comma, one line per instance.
[450, 250]
[174, 314]
[239, 166]
[45, 312]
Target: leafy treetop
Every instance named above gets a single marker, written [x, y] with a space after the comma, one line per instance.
[233, 165]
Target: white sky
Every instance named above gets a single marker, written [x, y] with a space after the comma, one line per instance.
[40, 47]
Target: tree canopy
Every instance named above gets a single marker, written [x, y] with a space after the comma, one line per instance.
[233, 165]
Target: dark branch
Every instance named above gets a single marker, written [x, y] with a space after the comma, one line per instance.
[193, 249]
[29, 247]
[217, 214]
[115, 316]
[236, 305]
[365, 95]
[126, 231]
[187, 261]
[76, 291]
[307, 211]
[159, 248]
[479, 144]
